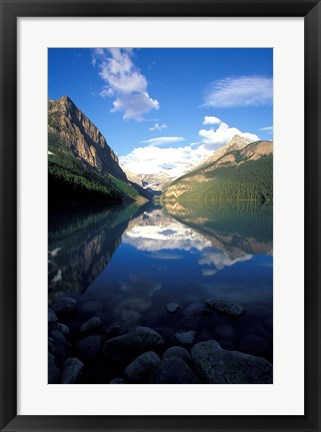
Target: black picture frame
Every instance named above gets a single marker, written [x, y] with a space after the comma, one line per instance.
[10, 11]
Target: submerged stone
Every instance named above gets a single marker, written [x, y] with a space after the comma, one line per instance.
[92, 325]
[173, 370]
[71, 371]
[185, 338]
[65, 306]
[172, 307]
[127, 347]
[89, 347]
[219, 366]
[225, 307]
[177, 351]
[118, 381]
[140, 369]
[53, 369]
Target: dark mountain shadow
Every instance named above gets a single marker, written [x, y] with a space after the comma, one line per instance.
[81, 243]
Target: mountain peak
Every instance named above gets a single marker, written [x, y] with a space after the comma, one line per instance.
[238, 140]
[81, 136]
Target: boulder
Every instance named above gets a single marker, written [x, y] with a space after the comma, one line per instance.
[140, 369]
[218, 366]
[93, 325]
[71, 371]
[178, 351]
[185, 338]
[64, 307]
[53, 369]
[52, 318]
[118, 381]
[58, 336]
[173, 370]
[126, 348]
[58, 346]
[172, 307]
[225, 307]
[63, 329]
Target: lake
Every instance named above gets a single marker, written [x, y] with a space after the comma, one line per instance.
[126, 264]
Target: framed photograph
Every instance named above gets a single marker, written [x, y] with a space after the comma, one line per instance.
[160, 215]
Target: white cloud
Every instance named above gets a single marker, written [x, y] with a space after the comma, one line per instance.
[157, 126]
[174, 162]
[239, 91]
[124, 82]
[213, 139]
[268, 129]
[162, 140]
[211, 120]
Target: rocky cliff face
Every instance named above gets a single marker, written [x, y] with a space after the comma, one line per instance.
[81, 136]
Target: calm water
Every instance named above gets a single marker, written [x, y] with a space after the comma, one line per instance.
[126, 264]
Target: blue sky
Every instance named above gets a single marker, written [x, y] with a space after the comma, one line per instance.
[167, 109]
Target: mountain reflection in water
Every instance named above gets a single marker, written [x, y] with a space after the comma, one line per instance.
[125, 265]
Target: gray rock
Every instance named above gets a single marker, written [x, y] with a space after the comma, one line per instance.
[63, 329]
[53, 369]
[173, 370]
[52, 317]
[58, 345]
[172, 307]
[58, 336]
[218, 366]
[140, 369]
[225, 307]
[65, 306]
[118, 381]
[127, 347]
[89, 347]
[92, 325]
[178, 351]
[71, 371]
[185, 338]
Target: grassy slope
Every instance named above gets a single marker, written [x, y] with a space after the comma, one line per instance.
[251, 180]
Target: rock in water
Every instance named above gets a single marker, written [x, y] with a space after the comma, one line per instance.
[172, 307]
[178, 351]
[118, 381]
[127, 347]
[52, 318]
[173, 370]
[91, 326]
[185, 338]
[140, 369]
[63, 329]
[71, 371]
[218, 366]
[225, 307]
[65, 306]
[53, 369]
[89, 347]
